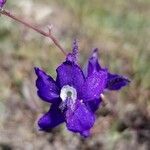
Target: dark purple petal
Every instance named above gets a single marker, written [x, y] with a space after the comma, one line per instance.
[70, 74]
[2, 3]
[94, 86]
[116, 82]
[51, 119]
[93, 64]
[47, 88]
[80, 119]
[94, 104]
[72, 57]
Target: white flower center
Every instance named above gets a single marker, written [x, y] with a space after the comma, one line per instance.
[68, 92]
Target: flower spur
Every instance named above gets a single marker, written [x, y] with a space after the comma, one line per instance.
[75, 97]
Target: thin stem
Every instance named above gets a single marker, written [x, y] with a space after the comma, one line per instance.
[49, 35]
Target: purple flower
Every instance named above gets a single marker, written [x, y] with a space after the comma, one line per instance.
[75, 97]
[2, 2]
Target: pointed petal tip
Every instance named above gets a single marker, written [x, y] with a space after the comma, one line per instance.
[85, 134]
[127, 80]
[116, 81]
[36, 69]
[39, 72]
[93, 63]
[95, 52]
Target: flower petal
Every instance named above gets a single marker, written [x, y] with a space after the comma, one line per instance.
[94, 86]
[94, 104]
[93, 64]
[81, 119]
[116, 82]
[47, 88]
[51, 119]
[70, 74]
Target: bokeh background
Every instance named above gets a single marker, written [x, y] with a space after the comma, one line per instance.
[121, 31]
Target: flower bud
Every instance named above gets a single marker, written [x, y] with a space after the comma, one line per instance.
[2, 2]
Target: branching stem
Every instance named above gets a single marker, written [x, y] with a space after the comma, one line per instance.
[27, 24]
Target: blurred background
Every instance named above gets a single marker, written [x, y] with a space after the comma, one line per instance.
[121, 31]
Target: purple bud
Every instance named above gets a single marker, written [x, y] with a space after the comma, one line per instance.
[2, 2]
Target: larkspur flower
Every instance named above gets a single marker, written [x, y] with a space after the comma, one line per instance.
[74, 97]
[2, 3]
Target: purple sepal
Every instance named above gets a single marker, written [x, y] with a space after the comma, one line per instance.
[51, 119]
[94, 85]
[81, 119]
[70, 74]
[116, 82]
[47, 88]
[93, 65]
